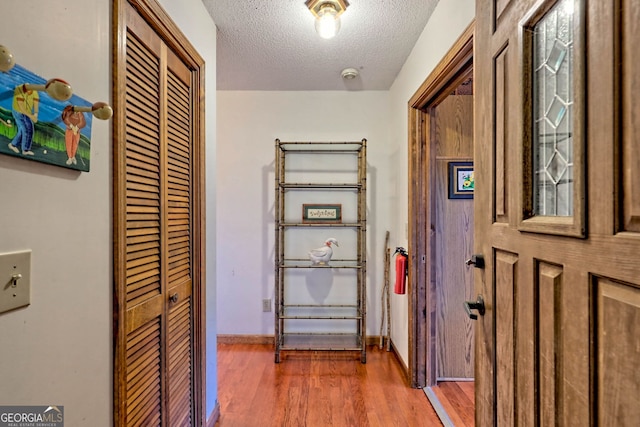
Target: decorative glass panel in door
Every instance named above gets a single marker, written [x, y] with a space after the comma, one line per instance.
[553, 120]
[553, 111]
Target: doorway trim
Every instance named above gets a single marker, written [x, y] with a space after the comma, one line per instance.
[452, 70]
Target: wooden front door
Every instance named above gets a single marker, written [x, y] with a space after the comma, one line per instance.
[158, 221]
[557, 212]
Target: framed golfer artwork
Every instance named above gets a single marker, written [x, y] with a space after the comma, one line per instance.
[35, 126]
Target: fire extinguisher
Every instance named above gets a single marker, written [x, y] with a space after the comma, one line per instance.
[402, 270]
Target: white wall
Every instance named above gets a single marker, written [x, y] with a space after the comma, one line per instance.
[58, 350]
[449, 20]
[248, 124]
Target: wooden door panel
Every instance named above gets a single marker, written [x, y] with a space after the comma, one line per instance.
[143, 386]
[142, 178]
[144, 302]
[617, 327]
[501, 5]
[485, 346]
[550, 284]
[453, 124]
[178, 177]
[142, 313]
[506, 268]
[629, 37]
[179, 241]
[180, 360]
[501, 108]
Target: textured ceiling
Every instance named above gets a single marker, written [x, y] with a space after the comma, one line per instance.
[273, 45]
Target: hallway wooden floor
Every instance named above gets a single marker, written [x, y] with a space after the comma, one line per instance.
[316, 389]
[457, 400]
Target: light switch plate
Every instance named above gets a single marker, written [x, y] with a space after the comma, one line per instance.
[15, 280]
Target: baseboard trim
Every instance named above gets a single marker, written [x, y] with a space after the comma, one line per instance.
[403, 365]
[373, 340]
[214, 416]
[269, 339]
[245, 339]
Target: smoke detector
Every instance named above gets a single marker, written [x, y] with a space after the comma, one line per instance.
[349, 73]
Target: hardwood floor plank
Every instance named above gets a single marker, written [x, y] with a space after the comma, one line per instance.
[316, 389]
[468, 388]
[457, 404]
[461, 403]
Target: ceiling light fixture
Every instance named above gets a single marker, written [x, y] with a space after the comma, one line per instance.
[349, 73]
[327, 13]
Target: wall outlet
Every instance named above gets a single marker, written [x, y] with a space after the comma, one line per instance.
[266, 305]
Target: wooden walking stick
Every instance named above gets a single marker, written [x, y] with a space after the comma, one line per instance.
[386, 279]
[385, 305]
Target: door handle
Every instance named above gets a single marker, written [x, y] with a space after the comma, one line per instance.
[174, 298]
[476, 260]
[474, 305]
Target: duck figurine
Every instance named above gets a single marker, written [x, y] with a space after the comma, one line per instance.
[322, 255]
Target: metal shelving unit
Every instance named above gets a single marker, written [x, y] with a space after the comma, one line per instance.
[304, 334]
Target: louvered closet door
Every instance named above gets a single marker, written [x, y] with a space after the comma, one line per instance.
[145, 298]
[157, 374]
[178, 254]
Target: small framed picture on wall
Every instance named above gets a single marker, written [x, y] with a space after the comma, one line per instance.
[461, 180]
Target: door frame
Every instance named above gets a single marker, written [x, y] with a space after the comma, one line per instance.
[161, 22]
[452, 70]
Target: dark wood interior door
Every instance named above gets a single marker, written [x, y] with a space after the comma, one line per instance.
[557, 212]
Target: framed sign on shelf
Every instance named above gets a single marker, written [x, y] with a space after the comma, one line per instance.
[321, 213]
